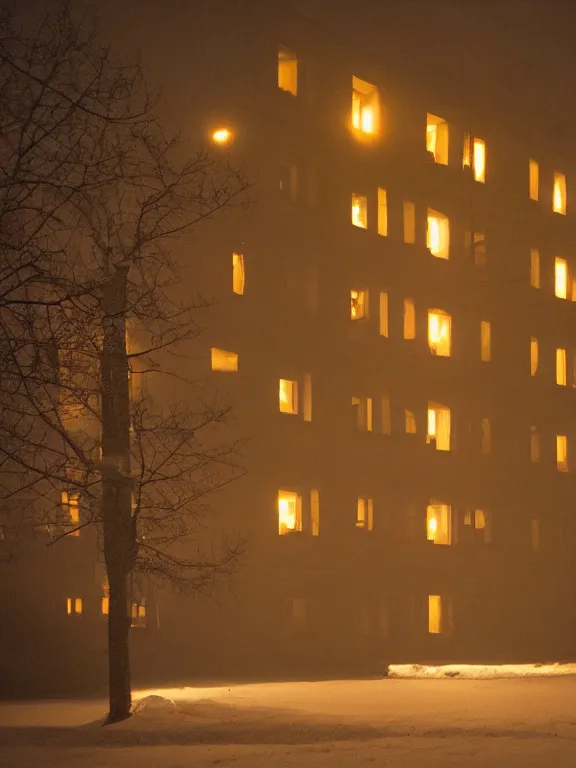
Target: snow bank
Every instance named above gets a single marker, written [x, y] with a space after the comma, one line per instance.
[480, 671]
[154, 705]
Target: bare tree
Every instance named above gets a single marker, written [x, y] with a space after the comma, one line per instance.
[93, 196]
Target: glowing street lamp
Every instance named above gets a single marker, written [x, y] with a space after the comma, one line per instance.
[222, 136]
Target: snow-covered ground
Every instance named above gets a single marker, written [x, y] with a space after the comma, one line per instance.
[481, 671]
[401, 723]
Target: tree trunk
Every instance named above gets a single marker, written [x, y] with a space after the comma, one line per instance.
[118, 524]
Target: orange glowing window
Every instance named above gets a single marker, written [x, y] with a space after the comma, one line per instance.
[238, 273]
[439, 332]
[533, 179]
[287, 71]
[533, 356]
[438, 432]
[438, 234]
[561, 278]
[288, 396]
[382, 212]
[561, 369]
[358, 304]
[559, 193]
[474, 157]
[439, 523]
[365, 107]
[223, 360]
[71, 510]
[365, 513]
[437, 138]
[360, 211]
[74, 606]
[485, 341]
[383, 314]
[289, 512]
[434, 614]
[562, 453]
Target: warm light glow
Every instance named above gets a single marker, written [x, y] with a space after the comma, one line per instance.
[439, 332]
[382, 212]
[74, 605]
[358, 304]
[559, 194]
[533, 173]
[438, 426]
[384, 314]
[561, 278]
[288, 396]
[562, 453]
[315, 511]
[438, 234]
[437, 138]
[434, 614]
[238, 273]
[479, 160]
[105, 606]
[365, 107]
[365, 514]
[287, 71]
[535, 268]
[289, 512]
[222, 136]
[561, 374]
[438, 523]
[362, 408]
[533, 356]
[71, 510]
[359, 211]
[485, 341]
[409, 319]
[223, 360]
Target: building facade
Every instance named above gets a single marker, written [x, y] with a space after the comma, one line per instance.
[393, 326]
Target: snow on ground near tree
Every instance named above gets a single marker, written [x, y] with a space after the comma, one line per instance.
[481, 671]
[389, 722]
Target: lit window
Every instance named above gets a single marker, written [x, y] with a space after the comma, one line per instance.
[486, 436]
[238, 273]
[288, 396]
[535, 268]
[382, 212]
[438, 432]
[561, 372]
[439, 332]
[434, 614]
[533, 179]
[562, 453]
[533, 356]
[410, 422]
[385, 416]
[409, 319]
[439, 523]
[105, 606]
[74, 605]
[71, 510]
[365, 107]
[409, 222]
[438, 234]
[138, 614]
[315, 512]
[362, 409]
[437, 138]
[287, 71]
[534, 445]
[485, 341]
[475, 157]
[479, 160]
[559, 194]
[358, 304]
[289, 512]
[561, 278]
[359, 211]
[224, 361]
[365, 514]
[383, 314]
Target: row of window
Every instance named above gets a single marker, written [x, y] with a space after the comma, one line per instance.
[444, 525]
[75, 607]
[366, 120]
